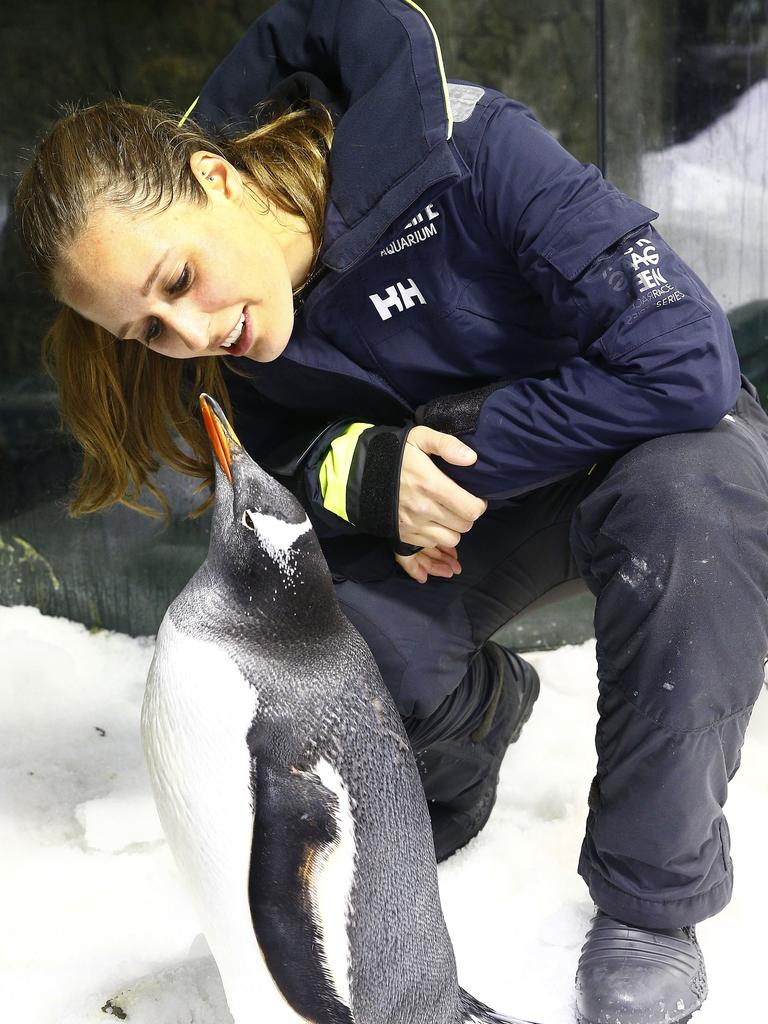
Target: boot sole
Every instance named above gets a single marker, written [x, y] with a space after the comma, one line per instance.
[700, 978]
[667, 1020]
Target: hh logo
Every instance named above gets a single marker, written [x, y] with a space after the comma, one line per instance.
[431, 213]
[397, 297]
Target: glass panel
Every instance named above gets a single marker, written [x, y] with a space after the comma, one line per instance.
[542, 54]
[687, 102]
[118, 569]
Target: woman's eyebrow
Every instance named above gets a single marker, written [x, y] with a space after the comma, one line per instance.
[145, 290]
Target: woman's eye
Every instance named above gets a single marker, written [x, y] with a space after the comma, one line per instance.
[181, 282]
[152, 334]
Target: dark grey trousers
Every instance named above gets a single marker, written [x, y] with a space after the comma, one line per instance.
[672, 539]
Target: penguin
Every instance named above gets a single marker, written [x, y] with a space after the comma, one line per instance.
[285, 783]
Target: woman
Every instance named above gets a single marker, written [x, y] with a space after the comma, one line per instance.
[489, 346]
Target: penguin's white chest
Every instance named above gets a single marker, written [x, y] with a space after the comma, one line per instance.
[197, 712]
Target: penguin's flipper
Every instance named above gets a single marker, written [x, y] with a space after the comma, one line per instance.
[499, 1018]
[302, 864]
[476, 1012]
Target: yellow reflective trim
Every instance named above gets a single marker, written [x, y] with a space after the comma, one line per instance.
[590, 471]
[448, 110]
[189, 110]
[334, 469]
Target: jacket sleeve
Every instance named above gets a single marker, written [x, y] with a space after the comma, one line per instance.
[656, 354]
[345, 473]
[353, 477]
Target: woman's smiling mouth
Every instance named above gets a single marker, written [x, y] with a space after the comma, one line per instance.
[240, 338]
[234, 334]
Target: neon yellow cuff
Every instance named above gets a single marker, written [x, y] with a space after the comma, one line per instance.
[335, 467]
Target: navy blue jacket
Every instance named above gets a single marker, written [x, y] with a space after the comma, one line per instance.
[479, 280]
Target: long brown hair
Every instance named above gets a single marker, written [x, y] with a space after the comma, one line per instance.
[137, 156]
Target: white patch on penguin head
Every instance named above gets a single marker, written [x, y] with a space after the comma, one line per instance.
[276, 536]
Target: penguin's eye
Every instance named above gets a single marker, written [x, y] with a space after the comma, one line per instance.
[248, 522]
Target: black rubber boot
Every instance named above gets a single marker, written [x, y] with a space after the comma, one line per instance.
[460, 765]
[630, 975]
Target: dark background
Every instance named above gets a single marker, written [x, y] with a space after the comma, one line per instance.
[669, 97]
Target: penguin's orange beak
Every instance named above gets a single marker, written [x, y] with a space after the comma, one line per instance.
[220, 433]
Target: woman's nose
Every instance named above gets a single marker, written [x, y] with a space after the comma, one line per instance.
[190, 325]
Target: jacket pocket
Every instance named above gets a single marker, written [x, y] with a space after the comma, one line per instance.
[725, 840]
[571, 247]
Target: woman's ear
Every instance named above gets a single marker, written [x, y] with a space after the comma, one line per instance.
[216, 174]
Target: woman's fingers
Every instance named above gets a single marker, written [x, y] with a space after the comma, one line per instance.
[448, 494]
[427, 510]
[448, 555]
[448, 447]
[433, 509]
[430, 562]
[427, 535]
[422, 479]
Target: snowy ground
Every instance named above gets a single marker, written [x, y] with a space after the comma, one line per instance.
[92, 910]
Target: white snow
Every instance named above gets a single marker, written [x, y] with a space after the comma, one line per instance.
[93, 911]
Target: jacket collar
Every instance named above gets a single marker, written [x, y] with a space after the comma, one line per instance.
[378, 67]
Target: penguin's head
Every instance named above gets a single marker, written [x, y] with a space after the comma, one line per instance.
[258, 526]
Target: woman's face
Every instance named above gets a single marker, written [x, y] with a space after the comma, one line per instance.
[181, 281]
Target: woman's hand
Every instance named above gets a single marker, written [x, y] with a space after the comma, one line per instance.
[434, 511]
[437, 561]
